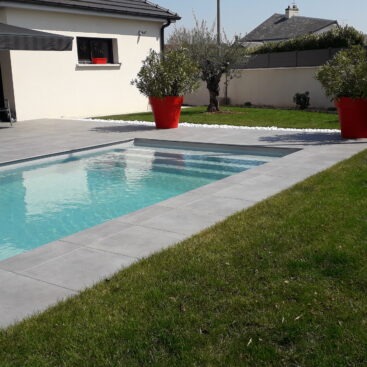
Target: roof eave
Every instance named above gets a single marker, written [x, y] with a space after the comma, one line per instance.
[170, 16]
[165, 9]
[326, 25]
[268, 40]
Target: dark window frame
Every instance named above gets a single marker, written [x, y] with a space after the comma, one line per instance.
[89, 48]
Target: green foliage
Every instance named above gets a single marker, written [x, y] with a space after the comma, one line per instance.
[171, 74]
[302, 100]
[346, 74]
[202, 44]
[343, 37]
[213, 59]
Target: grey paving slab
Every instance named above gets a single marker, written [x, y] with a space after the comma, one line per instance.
[37, 256]
[22, 296]
[34, 280]
[96, 233]
[257, 189]
[223, 206]
[5, 275]
[141, 215]
[138, 241]
[298, 172]
[183, 221]
[80, 269]
[178, 201]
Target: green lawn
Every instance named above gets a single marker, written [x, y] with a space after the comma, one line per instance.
[240, 116]
[281, 284]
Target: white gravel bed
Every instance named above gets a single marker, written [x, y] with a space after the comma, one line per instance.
[207, 126]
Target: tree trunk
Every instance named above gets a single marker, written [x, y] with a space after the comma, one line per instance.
[213, 87]
[213, 104]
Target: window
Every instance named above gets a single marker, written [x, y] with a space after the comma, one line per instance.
[89, 48]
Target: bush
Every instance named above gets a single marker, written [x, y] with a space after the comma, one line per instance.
[247, 104]
[343, 37]
[346, 74]
[302, 100]
[171, 74]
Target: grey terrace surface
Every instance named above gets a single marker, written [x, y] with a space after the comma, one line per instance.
[34, 280]
[279, 27]
[138, 8]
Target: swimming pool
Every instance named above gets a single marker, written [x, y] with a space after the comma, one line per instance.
[47, 199]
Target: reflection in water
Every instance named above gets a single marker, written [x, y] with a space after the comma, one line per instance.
[41, 196]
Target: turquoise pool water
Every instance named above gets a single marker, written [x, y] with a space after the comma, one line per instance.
[48, 199]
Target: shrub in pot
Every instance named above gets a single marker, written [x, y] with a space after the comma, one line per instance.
[344, 79]
[165, 79]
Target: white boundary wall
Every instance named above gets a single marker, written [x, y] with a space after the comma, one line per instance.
[270, 87]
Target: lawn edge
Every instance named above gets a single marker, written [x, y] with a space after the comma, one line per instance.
[212, 126]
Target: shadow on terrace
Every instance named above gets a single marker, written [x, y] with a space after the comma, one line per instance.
[309, 138]
[122, 129]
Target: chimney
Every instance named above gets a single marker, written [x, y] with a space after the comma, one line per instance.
[292, 11]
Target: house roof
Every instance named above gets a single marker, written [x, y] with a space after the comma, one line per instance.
[279, 27]
[138, 8]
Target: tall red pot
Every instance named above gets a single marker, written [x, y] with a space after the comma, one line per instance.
[353, 117]
[167, 111]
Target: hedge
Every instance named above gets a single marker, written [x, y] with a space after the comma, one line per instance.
[342, 37]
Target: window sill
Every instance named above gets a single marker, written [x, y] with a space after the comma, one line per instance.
[98, 66]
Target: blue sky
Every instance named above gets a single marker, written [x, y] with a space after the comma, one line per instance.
[241, 16]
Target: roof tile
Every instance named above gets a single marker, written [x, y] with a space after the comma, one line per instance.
[279, 27]
[139, 8]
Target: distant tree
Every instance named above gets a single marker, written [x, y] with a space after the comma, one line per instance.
[214, 60]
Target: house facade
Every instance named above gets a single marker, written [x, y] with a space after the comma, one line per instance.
[54, 84]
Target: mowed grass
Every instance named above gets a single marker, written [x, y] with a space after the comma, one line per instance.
[240, 116]
[281, 284]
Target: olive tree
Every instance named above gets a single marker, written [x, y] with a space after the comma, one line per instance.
[173, 74]
[214, 60]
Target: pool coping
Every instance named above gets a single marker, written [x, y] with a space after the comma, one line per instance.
[73, 263]
[60, 153]
[218, 146]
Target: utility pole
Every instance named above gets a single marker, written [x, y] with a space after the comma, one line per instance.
[219, 50]
[218, 22]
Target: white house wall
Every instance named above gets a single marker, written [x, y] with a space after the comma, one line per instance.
[269, 87]
[50, 84]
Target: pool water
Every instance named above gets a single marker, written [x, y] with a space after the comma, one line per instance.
[48, 199]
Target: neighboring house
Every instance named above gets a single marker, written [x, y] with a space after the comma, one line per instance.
[52, 75]
[281, 27]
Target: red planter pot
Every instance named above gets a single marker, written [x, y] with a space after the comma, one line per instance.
[99, 60]
[166, 111]
[353, 117]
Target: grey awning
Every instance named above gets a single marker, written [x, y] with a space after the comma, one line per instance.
[17, 38]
